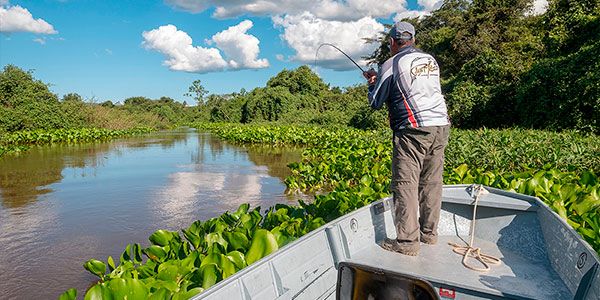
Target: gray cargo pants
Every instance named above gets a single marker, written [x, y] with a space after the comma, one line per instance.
[417, 169]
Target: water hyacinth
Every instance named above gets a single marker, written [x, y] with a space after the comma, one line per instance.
[20, 140]
[353, 166]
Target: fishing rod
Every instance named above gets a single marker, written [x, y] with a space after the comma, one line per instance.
[334, 46]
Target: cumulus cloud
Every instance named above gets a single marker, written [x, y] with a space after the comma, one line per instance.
[325, 9]
[181, 55]
[19, 19]
[305, 32]
[430, 5]
[307, 24]
[241, 49]
[539, 7]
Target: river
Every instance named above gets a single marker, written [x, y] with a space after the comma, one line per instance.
[61, 205]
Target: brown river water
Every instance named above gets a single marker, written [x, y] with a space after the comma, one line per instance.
[61, 205]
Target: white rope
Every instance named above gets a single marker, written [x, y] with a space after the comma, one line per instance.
[474, 252]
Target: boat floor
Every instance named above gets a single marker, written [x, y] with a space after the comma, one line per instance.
[516, 277]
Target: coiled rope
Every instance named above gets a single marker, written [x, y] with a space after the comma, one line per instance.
[474, 252]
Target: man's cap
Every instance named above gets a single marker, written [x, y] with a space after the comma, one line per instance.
[401, 27]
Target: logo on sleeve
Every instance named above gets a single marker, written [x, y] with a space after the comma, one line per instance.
[424, 67]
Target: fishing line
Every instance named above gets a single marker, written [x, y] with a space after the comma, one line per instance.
[334, 46]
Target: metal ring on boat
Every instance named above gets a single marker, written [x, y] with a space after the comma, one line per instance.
[354, 224]
[581, 261]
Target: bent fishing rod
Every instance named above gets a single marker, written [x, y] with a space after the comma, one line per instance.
[334, 46]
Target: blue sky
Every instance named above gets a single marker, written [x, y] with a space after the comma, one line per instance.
[97, 48]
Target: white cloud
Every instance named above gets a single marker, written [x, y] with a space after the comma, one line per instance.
[539, 7]
[280, 57]
[308, 24]
[430, 5]
[410, 14]
[305, 32]
[181, 55]
[241, 49]
[108, 51]
[41, 41]
[324, 9]
[19, 19]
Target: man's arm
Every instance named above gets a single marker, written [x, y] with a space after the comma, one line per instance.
[379, 87]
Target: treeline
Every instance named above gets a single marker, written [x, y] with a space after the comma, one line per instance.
[296, 96]
[502, 66]
[27, 104]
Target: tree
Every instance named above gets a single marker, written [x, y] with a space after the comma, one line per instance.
[299, 81]
[137, 101]
[26, 103]
[107, 103]
[72, 97]
[197, 92]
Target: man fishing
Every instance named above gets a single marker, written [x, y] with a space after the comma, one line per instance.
[409, 83]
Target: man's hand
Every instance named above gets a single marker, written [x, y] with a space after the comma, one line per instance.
[371, 76]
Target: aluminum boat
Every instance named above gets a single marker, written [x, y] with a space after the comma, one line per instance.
[541, 256]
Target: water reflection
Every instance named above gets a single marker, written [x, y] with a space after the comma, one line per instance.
[25, 177]
[61, 205]
[221, 177]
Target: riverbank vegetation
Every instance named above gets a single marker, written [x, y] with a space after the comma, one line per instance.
[31, 114]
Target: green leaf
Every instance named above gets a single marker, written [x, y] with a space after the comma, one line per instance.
[95, 267]
[146, 271]
[461, 170]
[137, 253]
[161, 237]
[588, 178]
[210, 275]
[188, 294]
[191, 261]
[366, 180]
[70, 294]
[111, 263]
[167, 272]
[160, 294]
[215, 238]
[156, 253]
[128, 288]
[223, 262]
[168, 285]
[193, 234]
[263, 243]
[241, 210]
[586, 203]
[238, 259]
[237, 240]
[98, 292]
[282, 237]
[126, 255]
